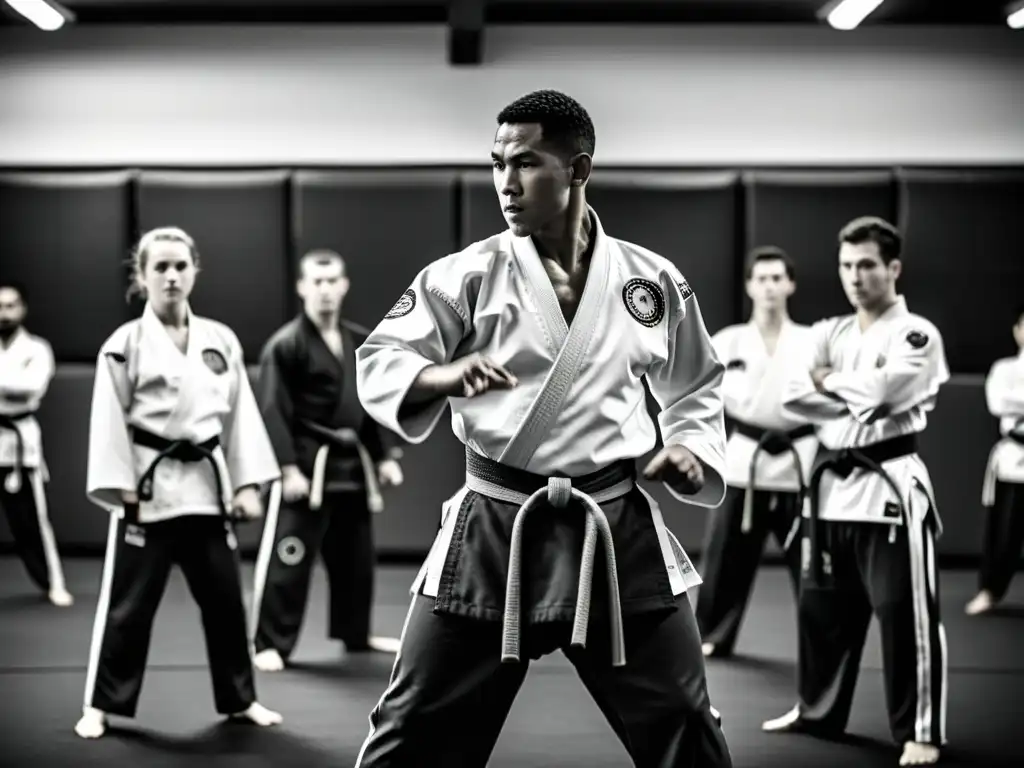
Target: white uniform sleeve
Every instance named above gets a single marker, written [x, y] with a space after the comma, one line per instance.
[29, 382]
[688, 387]
[248, 453]
[1002, 397]
[735, 384]
[110, 464]
[799, 395]
[911, 375]
[423, 328]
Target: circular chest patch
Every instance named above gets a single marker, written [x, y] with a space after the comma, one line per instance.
[215, 361]
[644, 301]
[403, 306]
[917, 339]
[291, 550]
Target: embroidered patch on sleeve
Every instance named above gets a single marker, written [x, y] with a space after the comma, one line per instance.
[215, 361]
[404, 305]
[736, 365]
[685, 289]
[917, 339]
[644, 301]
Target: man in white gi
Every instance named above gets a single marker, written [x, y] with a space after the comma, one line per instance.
[1003, 492]
[870, 379]
[768, 457]
[539, 338]
[26, 370]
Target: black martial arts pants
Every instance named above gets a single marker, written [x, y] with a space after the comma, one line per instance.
[341, 531]
[1004, 535]
[135, 572]
[731, 558]
[865, 573]
[30, 527]
[450, 693]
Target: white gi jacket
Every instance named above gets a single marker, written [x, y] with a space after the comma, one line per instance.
[1004, 394]
[884, 382]
[26, 370]
[580, 402]
[143, 381]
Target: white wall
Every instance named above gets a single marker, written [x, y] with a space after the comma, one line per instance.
[375, 95]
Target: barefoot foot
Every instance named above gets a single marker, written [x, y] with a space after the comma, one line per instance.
[919, 754]
[983, 602]
[260, 715]
[61, 597]
[384, 644]
[92, 724]
[268, 661]
[788, 722]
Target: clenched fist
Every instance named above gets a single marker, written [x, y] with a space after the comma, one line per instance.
[247, 504]
[677, 467]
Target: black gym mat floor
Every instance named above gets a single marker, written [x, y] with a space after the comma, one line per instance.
[325, 699]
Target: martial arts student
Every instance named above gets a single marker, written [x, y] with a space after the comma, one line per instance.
[538, 338]
[1003, 492]
[26, 369]
[177, 449]
[334, 460]
[767, 458]
[869, 380]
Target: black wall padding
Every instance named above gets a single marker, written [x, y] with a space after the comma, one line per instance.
[386, 224]
[240, 224]
[65, 238]
[964, 265]
[802, 213]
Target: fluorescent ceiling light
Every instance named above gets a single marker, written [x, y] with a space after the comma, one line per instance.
[850, 13]
[45, 15]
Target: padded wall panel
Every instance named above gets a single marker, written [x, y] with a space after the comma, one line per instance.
[964, 266]
[240, 224]
[388, 225]
[802, 213]
[65, 237]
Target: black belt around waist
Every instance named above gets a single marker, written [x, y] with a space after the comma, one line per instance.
[179, 450]
[773, 441]
[1014, 437]
[498, 481]
[842, 462]
[10, 421]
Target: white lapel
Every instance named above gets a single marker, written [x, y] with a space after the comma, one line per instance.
[572, 341]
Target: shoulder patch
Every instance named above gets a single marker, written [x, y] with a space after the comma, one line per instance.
[215, 360]
[736, 365]
[685, 289]
[917, 339]
[117, 357]
[404, 305]
[644, 301]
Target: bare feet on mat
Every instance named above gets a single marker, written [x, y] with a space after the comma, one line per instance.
[92, 724]
[708, 649]
[268, 661]
[61, 597]
[919, 754]
[983, 602]
[384, 644]
[788, 722]
[257, 713]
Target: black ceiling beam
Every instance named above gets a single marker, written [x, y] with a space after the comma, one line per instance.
[465, 32]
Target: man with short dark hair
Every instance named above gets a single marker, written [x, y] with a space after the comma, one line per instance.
[1003, 491]
[538, 338]
[334, 460]
[26, 370]
[768, 457]
[869, 380]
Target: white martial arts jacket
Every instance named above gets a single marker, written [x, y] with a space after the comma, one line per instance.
[1004, 393]
[753, 389]
[580, 402]
[26, 370]
[144, 381]
[884, 382]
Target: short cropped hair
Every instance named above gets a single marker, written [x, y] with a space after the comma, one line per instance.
[17, 287]
[321, 256]
[873, 229]
[769, 253]
[564, 123]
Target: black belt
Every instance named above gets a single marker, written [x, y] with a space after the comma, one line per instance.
[9, 421]
[842, 462]
[180, 450]
[1013, 436]
[521, 481]
[773, 441]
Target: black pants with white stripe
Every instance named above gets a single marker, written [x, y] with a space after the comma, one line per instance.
[341, 531]
[1004, 535]
[135, 572]
[732, 556]
[29, 521]
[865, 574]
